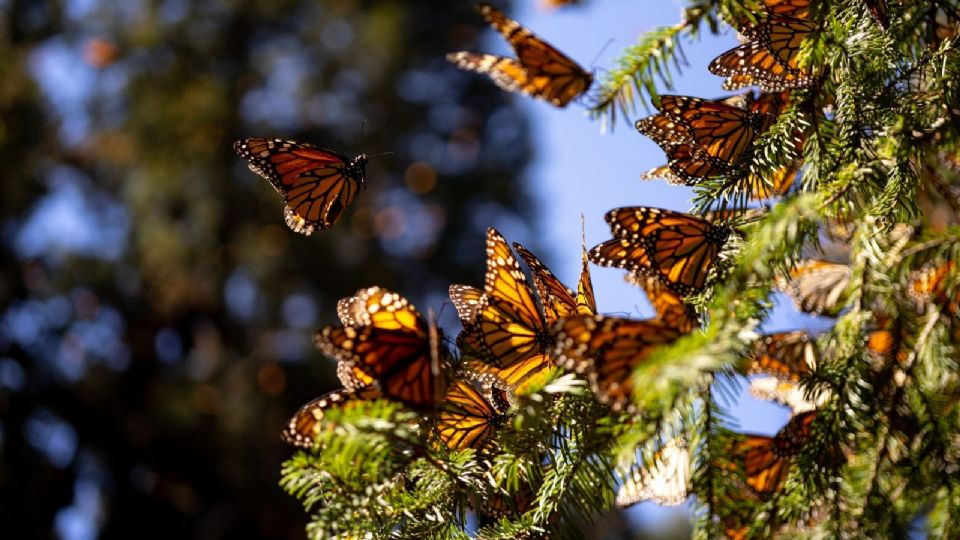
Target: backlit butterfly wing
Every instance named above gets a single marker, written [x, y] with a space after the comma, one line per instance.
[622, 253]
[817, 286]
[303, 428]
[766, 460]
[586, 301]
[770, 57]
[785, 355]
[608, 349]
[665, 480]
[540, 70]
[316, 184]
[510, 322]
[680, 247]
[721, 130]
[471, 412]
[469, 302]
[390, 344]
[928, 284]
[669, 307]
[556, 298]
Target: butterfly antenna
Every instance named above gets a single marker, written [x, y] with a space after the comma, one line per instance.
[583, 235]
[593, 63]
[380, 154]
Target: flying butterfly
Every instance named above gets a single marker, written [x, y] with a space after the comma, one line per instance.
[386, 343]
[785, 355]
[677, 248]
[503, 326]
[770, 57]
[471, 412]
[307, 422]
[766, 460]
[316, 184]
[608, 350]
[539, 70]
[665, 480]
[669, 307]
[816, 286]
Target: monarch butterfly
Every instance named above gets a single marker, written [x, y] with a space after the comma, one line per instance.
[665, 480]
[770, 58]
[503, 326]
[723, 131]
[307, 423]
[316, 184]
[387, 342]
[669, 307]
[817, 286]
[539, 70]
[766, 460]
[785, 355]
[471, 412]
[677, 248]
[799, 9]
[608, 349]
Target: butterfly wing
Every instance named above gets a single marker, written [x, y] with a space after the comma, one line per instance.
[586, 300]
[679, 248]
[389, 343]
[469, 417]
[306, 424]
[506, 73]
[556, 298]
[785, 355]
[608, 349]
[817, 286]
[770, 57]
[665, 480]
[548, 73]
[669, 307]
[721, 130]
[316, 184]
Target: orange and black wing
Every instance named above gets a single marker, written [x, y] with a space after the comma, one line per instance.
[306, 424]
[556, 298]
[770, 58]
[765, 470]
[608, 350]
[669, 307]
[316, 184]
[679, 248]
[471, 412]
[785, 355]
[550, 74]
[722, 131]
[586, 300]
[511, 326]
[389, 344]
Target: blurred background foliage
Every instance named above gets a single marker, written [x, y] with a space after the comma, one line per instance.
[155, 312]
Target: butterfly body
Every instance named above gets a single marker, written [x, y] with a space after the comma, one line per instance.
[316, 184]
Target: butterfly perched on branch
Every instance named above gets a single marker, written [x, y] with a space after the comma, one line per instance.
[473, 409]
[385, 340]
[678, 249]
[766, 460]
[539, 70]
[769, 58]
[608, 350]
[504, 327]
[669, 307]
[316, 184]
[786, 355]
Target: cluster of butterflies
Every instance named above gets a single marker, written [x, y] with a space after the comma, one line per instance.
[515, 336]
